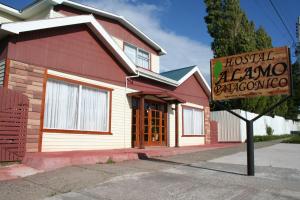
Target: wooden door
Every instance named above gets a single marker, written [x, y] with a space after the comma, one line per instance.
[155, 124]
[155, 127]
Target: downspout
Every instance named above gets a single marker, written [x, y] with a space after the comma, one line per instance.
[125, 101]
[130, 77]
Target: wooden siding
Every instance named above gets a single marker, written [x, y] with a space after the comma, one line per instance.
[192, 91]
[73, 50]
[2, 72]
[111, 26]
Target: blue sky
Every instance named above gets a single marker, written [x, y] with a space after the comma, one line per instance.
[180, 28]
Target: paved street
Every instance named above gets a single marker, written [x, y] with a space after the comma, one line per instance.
[279, 155]
[187, 176]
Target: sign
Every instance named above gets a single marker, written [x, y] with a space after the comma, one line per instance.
[261, 73]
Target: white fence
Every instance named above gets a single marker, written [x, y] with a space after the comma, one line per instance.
[233, 129]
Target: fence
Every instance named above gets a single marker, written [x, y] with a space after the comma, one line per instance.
[13, 125]
[233, 129]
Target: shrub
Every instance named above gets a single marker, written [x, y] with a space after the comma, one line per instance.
[269, 130]
[262, 138]
[295, 139]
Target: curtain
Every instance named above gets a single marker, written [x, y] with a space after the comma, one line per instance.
[93, 110]
[130, 51]
[198, 122]
[188, 121]
[192, 121]
[75, 107]
[61, 105]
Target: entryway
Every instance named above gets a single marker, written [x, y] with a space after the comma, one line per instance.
[154, 123]
[150, 118]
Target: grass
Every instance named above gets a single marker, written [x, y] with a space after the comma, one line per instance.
[110, 161]
[7, 163]
[295, 139]
[263, 138]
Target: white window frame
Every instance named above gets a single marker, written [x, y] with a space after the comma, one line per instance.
[193, 116]
[80, 85]
[137, 50]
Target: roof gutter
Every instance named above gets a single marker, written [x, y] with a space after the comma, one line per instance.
[154, 76]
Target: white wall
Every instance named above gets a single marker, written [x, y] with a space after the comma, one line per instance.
[171, 126]
[232, 129]
[155, 63]
[229, 127]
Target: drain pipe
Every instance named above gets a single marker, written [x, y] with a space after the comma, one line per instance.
[130, 77]
[125, 101]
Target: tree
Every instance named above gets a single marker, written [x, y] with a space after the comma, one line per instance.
[294, 102]
[233, 33]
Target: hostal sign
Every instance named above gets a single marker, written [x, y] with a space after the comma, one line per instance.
[261, 73]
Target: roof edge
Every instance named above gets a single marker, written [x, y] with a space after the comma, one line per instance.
[25, 26]
[200, 78]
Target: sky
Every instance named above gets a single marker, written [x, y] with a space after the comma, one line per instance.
[179, 27]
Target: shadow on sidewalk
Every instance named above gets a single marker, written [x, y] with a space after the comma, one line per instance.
[143, 156]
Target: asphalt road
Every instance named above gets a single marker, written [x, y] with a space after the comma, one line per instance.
[187, 176]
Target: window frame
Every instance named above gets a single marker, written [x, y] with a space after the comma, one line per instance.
[182, 122]
[136, 53]
[71, 131]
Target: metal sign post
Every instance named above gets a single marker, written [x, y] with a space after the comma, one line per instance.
[249, 129]
[261, 73]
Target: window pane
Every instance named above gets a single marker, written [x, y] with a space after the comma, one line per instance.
[143, 59]
[61, 105]
[130, 51]
[188, 121]
[94, 110]
[198, 122]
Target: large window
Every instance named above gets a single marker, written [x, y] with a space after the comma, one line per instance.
[70, 106]
[138, 56]
[193, 121]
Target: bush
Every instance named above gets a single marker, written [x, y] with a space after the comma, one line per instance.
[262, 138]
[269, 130]
[295, 139]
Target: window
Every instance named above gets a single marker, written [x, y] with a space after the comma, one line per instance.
[71, 106]
[138, 56]
[193, 121]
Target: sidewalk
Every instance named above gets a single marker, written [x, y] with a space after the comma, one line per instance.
[34, 163]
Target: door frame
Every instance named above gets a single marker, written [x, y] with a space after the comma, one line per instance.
[139, 137]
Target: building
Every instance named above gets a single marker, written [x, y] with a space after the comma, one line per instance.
[93, 81]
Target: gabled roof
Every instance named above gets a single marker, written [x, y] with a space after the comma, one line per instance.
[157, 77]
[89, 20]
[41, 5]
[177, 74]
[182, 74]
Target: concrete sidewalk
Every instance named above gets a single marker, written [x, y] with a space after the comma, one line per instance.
[279, 155]
[34, 163]
[186, 176]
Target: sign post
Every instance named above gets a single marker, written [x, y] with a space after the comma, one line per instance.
[253, 74]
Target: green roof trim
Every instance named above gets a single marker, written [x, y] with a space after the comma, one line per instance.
[177, 74]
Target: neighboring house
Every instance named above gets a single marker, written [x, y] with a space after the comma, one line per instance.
[93, 81]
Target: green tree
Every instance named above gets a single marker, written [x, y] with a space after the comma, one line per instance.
[233, 33]
[294, 102]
